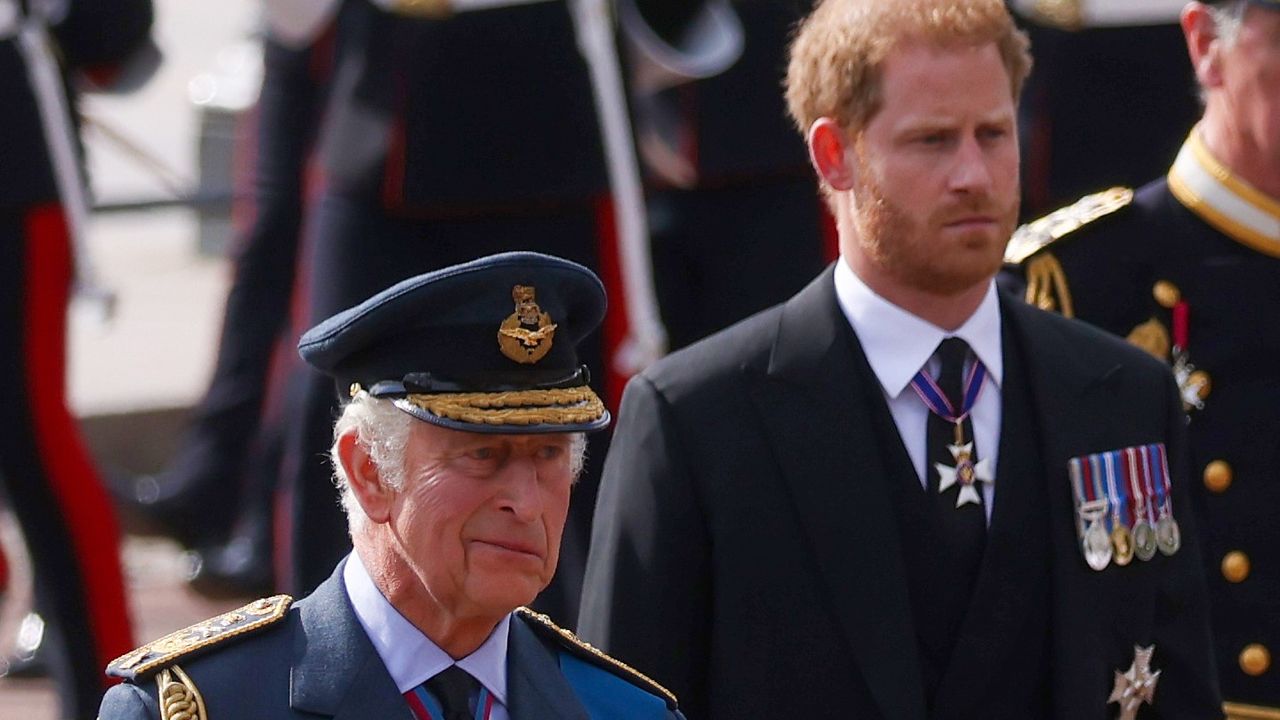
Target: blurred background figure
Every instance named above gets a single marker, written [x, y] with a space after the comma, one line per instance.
[452, 132]
[48, 50]
[445, 132]
[215, 494]
[1188, 268]
[735, 221]
[1110, 99]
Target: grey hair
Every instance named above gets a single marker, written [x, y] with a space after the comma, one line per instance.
[383, 429]
[384, 432]
[1227, 19]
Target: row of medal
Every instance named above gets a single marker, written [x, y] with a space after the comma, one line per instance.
[1123, 505]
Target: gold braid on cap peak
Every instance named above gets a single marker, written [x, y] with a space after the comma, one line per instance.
[1047, 285]
[559, 406]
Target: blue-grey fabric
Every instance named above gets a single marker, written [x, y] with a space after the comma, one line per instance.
[318, 661]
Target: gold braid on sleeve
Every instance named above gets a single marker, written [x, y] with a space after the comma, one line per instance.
[179, 697]
[1047, 285]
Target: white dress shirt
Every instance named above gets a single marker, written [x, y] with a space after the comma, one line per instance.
[898, 344]
[411, 658]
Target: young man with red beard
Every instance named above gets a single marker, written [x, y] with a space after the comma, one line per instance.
[901, 494]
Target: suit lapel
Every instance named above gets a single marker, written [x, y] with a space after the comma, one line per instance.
[816, 399]
[336, 671]
[535, 686]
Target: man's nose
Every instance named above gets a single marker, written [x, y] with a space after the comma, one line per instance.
[972, 169]
[521, 493]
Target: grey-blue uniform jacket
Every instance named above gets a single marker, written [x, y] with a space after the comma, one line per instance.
[276, 659]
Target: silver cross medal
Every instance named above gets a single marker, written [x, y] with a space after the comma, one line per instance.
[1135, 686]
[966, 471]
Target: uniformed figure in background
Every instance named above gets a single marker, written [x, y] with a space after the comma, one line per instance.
[899, 495]
[455, 457]
[46, 474]
[735, 223]
[1110, 100]
[1188, 268]
[454, 129]
[215, 494]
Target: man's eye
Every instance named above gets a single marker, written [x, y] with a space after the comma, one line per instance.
[484, 453]
[550, 452]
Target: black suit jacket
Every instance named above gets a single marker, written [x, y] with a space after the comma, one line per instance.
[745, 547]
[318, 662]
[1111, 265]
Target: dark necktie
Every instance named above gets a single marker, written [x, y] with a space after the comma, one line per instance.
[963, 529]
[454, 689]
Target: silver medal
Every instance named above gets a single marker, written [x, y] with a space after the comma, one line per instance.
[1144, 540]
[1097, 545]
[1168, 536]
[1095, 541]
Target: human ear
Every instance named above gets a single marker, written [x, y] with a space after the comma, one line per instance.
[829, 153]
[363, 477]
[1203, 44]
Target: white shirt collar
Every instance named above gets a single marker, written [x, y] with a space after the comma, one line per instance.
[897, 344]
[409, 655]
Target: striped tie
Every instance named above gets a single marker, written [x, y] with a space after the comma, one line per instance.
[452, 691]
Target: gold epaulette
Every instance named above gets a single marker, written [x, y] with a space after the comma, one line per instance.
[566, 639]
[1038, 234]
[199, 637]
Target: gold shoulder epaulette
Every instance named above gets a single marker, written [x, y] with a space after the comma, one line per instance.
[201, 636]
[566, 639]
[1037, 234]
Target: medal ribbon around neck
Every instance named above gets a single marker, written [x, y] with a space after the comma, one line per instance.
[966, 471]
[938, 402]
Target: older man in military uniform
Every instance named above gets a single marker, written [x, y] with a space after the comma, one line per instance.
[1188, 267]
[455, 457]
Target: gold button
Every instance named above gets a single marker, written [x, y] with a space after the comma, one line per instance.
[1200, 379]
[1166, 293]
[1235, 566]
[1255, 659]
[1218, 476]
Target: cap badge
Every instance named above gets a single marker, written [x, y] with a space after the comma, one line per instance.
[526, 335]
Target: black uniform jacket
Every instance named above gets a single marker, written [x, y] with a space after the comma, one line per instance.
[317, 661]
[745, 546]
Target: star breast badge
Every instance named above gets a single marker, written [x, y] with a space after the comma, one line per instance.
[966, 472]
[1135, 686]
